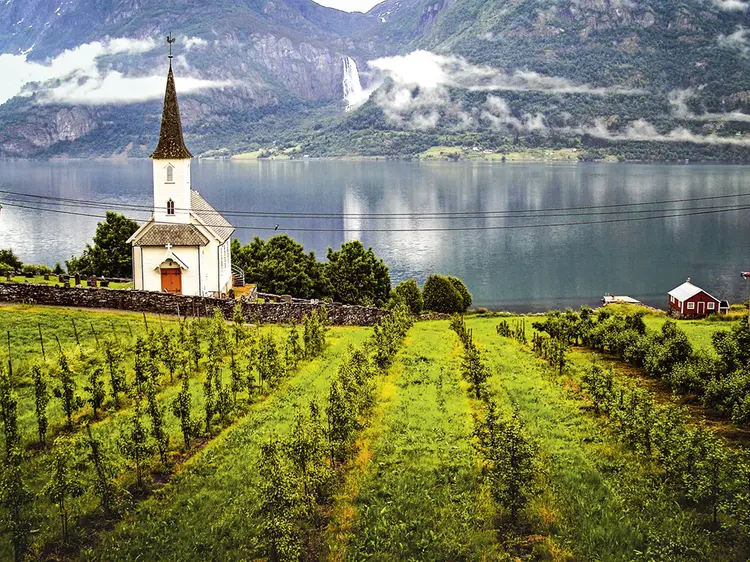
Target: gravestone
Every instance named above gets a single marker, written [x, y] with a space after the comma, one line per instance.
[78, 279]
[62, 279]
[46, 276]
[286, 298]
[92, 282]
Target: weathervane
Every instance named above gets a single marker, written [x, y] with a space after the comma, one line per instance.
[170, 40]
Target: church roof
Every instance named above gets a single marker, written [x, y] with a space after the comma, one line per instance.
[210, 217]
[175, 234]
[171, 144]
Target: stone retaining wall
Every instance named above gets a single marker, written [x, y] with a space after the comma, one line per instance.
[163, 303]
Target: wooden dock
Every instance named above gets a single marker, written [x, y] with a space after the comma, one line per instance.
[614, 299]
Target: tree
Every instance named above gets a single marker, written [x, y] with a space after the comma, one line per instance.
[95, 388]
[111, 255]
[64, 484]
[66, 390]
[10, 260]
[279, 506]
[236, 376]
[474, 370]
[293, 350]
[134, 443]
[158, 431]
[113, 356]
[170, 353]
[41, 400]
[462, 290]
[281, 266]
[181, 407]
[357, 276]
[270, 366]
[509, 458]
[307, 451]
[441, 295]
[409, 293]
[103, 484]
[16, 499]
[341, 422]
[9, 412]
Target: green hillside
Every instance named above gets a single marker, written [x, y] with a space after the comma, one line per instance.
[637, 80]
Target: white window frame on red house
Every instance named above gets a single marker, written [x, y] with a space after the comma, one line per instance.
[691, 306]
[712, 306]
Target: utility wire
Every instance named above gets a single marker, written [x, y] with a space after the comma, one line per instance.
[442, 229]
[289, 214]
[427, 217]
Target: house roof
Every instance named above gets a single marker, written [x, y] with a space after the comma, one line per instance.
[210, 217]
[174, 234]
[171, 144]
[686, 291]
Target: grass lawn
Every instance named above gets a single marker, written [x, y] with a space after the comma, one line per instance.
[524, 155]
[421, 495]
[39, 280]
[414, 491]
[211, 509]
[24, 323]
[599, 505]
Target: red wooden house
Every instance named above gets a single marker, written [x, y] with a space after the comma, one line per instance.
[689, 301]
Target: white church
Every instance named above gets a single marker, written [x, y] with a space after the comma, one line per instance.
[184, 247]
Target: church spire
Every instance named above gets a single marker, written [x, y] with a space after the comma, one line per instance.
[171, 144]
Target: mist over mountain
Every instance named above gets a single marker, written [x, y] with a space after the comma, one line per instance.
[650, 79]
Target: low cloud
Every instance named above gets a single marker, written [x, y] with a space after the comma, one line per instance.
[190, 42]
[732, 5]
[680, 109]
[737, 40]
[418, 93]
[114, 88]
[642, 130]
[81, 76]
[497, 113]
[428, 70]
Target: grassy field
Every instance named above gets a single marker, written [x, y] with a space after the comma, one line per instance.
[40, 280]
[525, 155]
[414, 490]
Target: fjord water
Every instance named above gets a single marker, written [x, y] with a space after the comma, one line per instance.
[523, 269]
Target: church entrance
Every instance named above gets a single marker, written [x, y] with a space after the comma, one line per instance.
[171, 280]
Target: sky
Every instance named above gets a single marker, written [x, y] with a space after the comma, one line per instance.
[349, 5]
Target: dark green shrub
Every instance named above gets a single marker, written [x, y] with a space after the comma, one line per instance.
[11, 259]
[409, 293]
[463, 291]
[440, 295]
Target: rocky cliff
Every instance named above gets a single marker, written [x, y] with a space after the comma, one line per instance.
[256, 72]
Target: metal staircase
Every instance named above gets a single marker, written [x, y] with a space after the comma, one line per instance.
[238, 276]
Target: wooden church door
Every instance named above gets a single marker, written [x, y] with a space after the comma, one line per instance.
[171, 280]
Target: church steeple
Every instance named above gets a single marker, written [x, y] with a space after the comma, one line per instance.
[171, 144]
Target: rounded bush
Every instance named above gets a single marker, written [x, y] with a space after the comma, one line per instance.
[440, 295]
[463, 291]
[409, 293]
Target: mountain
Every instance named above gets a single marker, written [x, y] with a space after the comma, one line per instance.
[640, 79]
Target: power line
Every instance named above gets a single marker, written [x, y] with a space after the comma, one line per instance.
[442, 229]
[428, 217]
[289, 214]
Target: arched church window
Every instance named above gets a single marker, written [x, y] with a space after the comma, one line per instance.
[170, 207]
[170, 174]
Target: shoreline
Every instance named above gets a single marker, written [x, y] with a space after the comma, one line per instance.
[120, 159]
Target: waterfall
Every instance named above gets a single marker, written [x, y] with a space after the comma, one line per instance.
[351, 84]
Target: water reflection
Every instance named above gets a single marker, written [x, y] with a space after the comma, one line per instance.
[505, 268]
